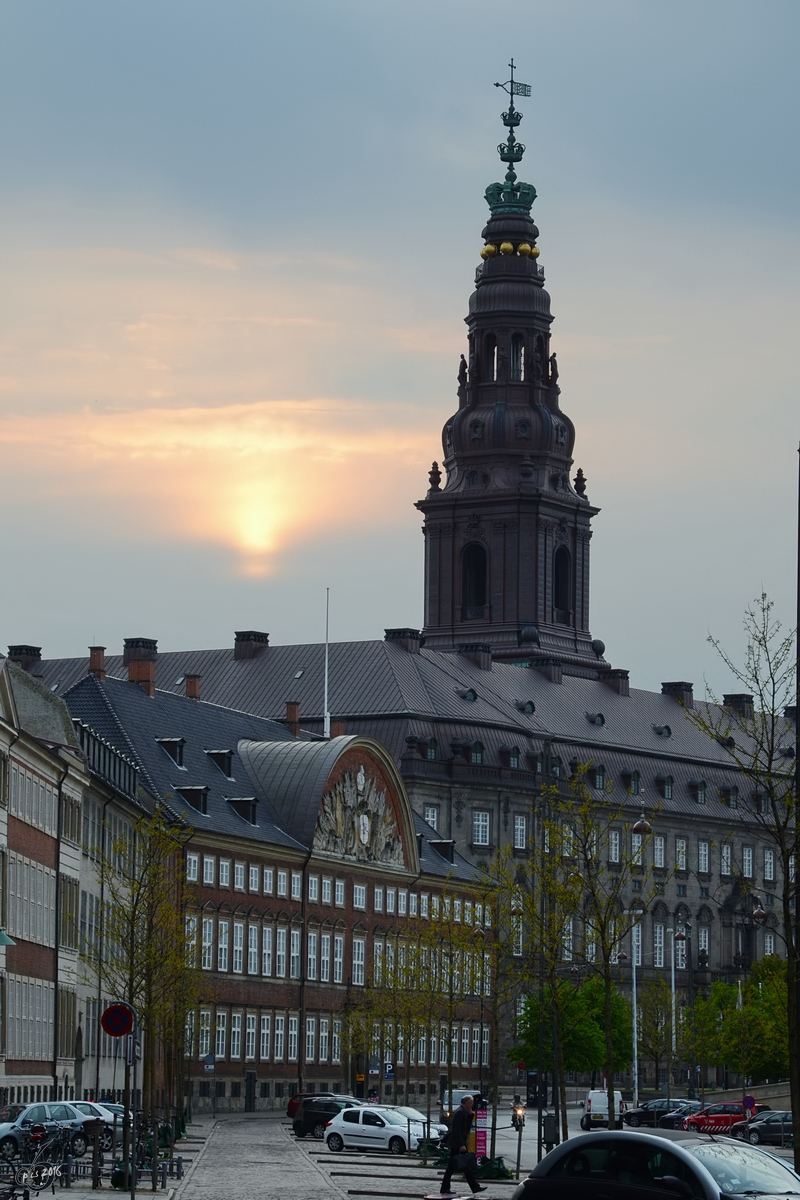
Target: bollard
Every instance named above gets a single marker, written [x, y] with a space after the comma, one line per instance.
[163, 1176]
[180, 1166]
[68, 1170]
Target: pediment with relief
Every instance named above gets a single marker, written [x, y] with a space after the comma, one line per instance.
[357, 821]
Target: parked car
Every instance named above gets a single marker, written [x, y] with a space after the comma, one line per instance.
[51, 1117]
[644, 1166]
[771, 1128]
[451, 1101]
[294, 1103]
[437, 1129]
[370, 1128]
[596, 1114]
[718, 1118]
[314, 1114]
[673, 1117]
[648, 1112]
[99, 1112]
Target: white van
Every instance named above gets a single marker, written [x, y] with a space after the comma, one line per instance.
[596, 1114]
[449, 1103]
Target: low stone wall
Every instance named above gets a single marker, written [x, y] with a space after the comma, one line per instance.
[776, 1095]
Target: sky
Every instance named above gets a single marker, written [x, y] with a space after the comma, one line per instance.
[237, 242]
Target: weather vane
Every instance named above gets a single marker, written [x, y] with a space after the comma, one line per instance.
[513, 88]
[511, 196]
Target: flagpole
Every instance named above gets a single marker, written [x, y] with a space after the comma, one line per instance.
[326, 716]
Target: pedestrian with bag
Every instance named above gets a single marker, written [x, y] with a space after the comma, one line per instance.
[457, 1142]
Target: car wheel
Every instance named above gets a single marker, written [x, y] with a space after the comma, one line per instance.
[738, 1134]
[8, 1148]
[78, 1145]
[335, 1143]
[298, 1130]
[106, 1140]
[586, 1124]
[633, 1120]
[397, 1146]
[754, 1137]
[319, 1130]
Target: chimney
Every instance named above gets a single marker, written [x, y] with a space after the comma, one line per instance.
[26, 657]
[617, 679]
[293, 717]
[407, 639]
[337, 728]
[248, 643]
[140, 656]
[683, 692]
[193, 687]
[551, 668]
[97, 662]
[740, 704]
[479, 653]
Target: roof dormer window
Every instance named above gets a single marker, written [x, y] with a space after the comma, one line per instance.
[195, 797]
[174, 748]
[244, 806]
[222, 759]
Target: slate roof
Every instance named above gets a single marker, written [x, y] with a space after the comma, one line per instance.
[39, 711]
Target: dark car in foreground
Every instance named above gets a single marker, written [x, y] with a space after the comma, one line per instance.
[770, 1128]
[673, 1118]
[622, 1165]
[314, 1114]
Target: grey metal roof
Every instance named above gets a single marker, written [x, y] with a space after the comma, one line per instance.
[39, 711]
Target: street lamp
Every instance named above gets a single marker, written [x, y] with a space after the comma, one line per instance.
[634, 912]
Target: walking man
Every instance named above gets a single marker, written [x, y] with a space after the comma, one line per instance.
[456, 1141]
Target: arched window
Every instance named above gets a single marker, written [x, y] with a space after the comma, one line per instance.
[490, 358]
[474, 582]
[517, 357]
[562, 585]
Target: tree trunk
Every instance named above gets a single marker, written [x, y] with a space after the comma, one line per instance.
[562, 1075]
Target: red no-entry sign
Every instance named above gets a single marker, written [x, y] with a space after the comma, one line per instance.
[117, 1020]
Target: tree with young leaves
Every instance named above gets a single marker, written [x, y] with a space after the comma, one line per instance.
[761, 740]
[654, 1010]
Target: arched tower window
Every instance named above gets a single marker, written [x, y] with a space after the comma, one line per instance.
[474, 582]
[490, 358]
[562, 584]
[517, 357]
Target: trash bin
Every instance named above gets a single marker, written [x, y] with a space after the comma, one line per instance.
[550, 1129]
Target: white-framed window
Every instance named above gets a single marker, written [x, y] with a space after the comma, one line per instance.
[636, 849]
[297, 885]
[391, 901]
[280, 1034]
[336, 1042]
[252, 950]
[658, 945]
[377, 964]
[311, 1039]
[485, 1048]
[264, 1045]
[313, 888]
[236, 1035]
[359, 896]
[769, 943]
[291, 1041]
[254, 878]
[283, 883]
[191, 868]
[412, 904]
[703, 938]
[476, 1045]
[280, 957]
[266, 950]
[658, 850]
[402, 902]
[725, 859]
[702, 857]
[566, 948]
[680, 853]
[424, 905]
[206, 960]
[769, 864]
[250, 1037]
[223, 940]
[221, 1039]
[339, 893]
[204, 1040]
[359, 957]
[269, 880]
[311, 955]
[327, 889]
[294, 961]
[338, 958]
[209, 869]
[520, 831]
[747, 862]
[238, 947]
[325, 958]
[613, 846]
[324, 1027]
[680, 951]
[431, 813]
[224, 872]
[377, 900]
[516, 935]
[465, 1045]
[238, 876]
[480, 828]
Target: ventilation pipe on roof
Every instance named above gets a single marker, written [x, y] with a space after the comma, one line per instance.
[97, 661]
[140, 656]
[407, 639]
[683, 692]
[193, 687]
[293, 717]
[26, 657]
[479, 653]
[618, 680]
[248, 643]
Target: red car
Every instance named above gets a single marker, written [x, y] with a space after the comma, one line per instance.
[718, 1118]
[297, 1099]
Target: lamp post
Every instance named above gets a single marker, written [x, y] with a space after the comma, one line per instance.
[634, 912]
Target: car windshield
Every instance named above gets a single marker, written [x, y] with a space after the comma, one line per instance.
[393, 1118]
[411, 1114]
[738, 1168]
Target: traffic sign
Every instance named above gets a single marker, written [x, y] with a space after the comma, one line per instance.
[749, 1102]
[117, 1020]
[209, 1063]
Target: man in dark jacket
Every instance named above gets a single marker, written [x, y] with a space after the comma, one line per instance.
[456, 1141]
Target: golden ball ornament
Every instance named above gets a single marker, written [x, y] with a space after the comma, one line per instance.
[488, 250]
[523, 249]
[506, 248]
[534, 252]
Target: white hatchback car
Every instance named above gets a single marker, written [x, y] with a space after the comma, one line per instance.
[371, 1128]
